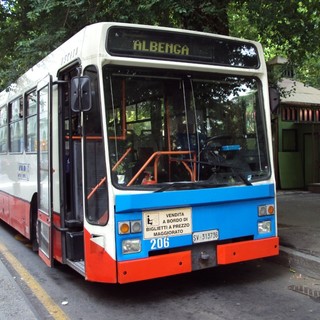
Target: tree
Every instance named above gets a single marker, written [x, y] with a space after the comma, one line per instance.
[31, 29]
[289, 28]
[13, 26]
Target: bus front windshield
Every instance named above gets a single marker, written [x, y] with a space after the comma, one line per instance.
[169, 130]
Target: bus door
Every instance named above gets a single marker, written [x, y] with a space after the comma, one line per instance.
[44, 170]
[71, 186]
[83, 187]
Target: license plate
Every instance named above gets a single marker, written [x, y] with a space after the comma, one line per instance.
[205, 236]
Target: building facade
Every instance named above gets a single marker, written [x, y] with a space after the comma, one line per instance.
[296, 135]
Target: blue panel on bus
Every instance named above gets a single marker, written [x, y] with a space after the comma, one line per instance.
[231, 211]
[233, 219]
[167, 199]
[147, 245]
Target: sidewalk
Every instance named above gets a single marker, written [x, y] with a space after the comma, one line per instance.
[13, 304]
[299, 231]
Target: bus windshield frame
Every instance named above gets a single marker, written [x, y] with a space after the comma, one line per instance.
[190, 130]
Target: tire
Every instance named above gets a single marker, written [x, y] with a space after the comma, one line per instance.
[34, 226]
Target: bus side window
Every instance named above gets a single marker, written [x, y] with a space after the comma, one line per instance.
[31, 122]
[3, 130]
[16, 125]
[95, 162]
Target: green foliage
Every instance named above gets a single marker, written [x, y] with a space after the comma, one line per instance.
[30, 29]
[309, 70]
[13, 27]
[289, 28]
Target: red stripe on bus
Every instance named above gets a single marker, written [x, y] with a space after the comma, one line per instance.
[154, 267]
[99, 265]
[15, 212]
[247, 250]
[56, 238]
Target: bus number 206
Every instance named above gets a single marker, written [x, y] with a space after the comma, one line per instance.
[159, 243]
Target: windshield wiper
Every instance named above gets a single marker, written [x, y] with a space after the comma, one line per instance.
[190, 186]
[235, 169]
[243, 178]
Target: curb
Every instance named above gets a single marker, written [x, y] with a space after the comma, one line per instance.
[297, 261]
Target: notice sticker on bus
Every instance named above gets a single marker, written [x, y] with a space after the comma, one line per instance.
[167, 223]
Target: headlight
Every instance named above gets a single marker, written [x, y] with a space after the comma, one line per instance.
[131, 246]
[264, 227]
[266, 210]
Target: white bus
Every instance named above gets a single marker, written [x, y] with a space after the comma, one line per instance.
[133, 152]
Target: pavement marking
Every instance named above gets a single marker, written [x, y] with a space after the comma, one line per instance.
[54, 310]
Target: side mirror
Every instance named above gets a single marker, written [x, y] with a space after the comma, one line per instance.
[274, 97]
[81, 99]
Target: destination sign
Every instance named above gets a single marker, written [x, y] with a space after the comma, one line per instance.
[169, 45]
[161, 47]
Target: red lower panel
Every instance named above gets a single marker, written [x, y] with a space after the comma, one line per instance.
[154, 267]
[247, 250]
[99, 265]
[56, 238]
[4, 208]
[15, 212]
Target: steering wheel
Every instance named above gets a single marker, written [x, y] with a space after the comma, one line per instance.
[211, 149]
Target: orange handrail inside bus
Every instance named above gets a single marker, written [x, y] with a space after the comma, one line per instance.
[87, 137]
[121, 159]
[96, 187]
[105, 178]
[156, 155]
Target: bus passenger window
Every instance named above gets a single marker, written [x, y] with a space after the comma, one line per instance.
[31, 122]
[3, 130]
[16, 125]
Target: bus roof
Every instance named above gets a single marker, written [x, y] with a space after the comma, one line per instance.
[88, 42]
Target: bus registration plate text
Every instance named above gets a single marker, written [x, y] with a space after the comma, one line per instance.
[204, 236]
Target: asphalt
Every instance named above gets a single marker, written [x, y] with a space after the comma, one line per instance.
[299, 232]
